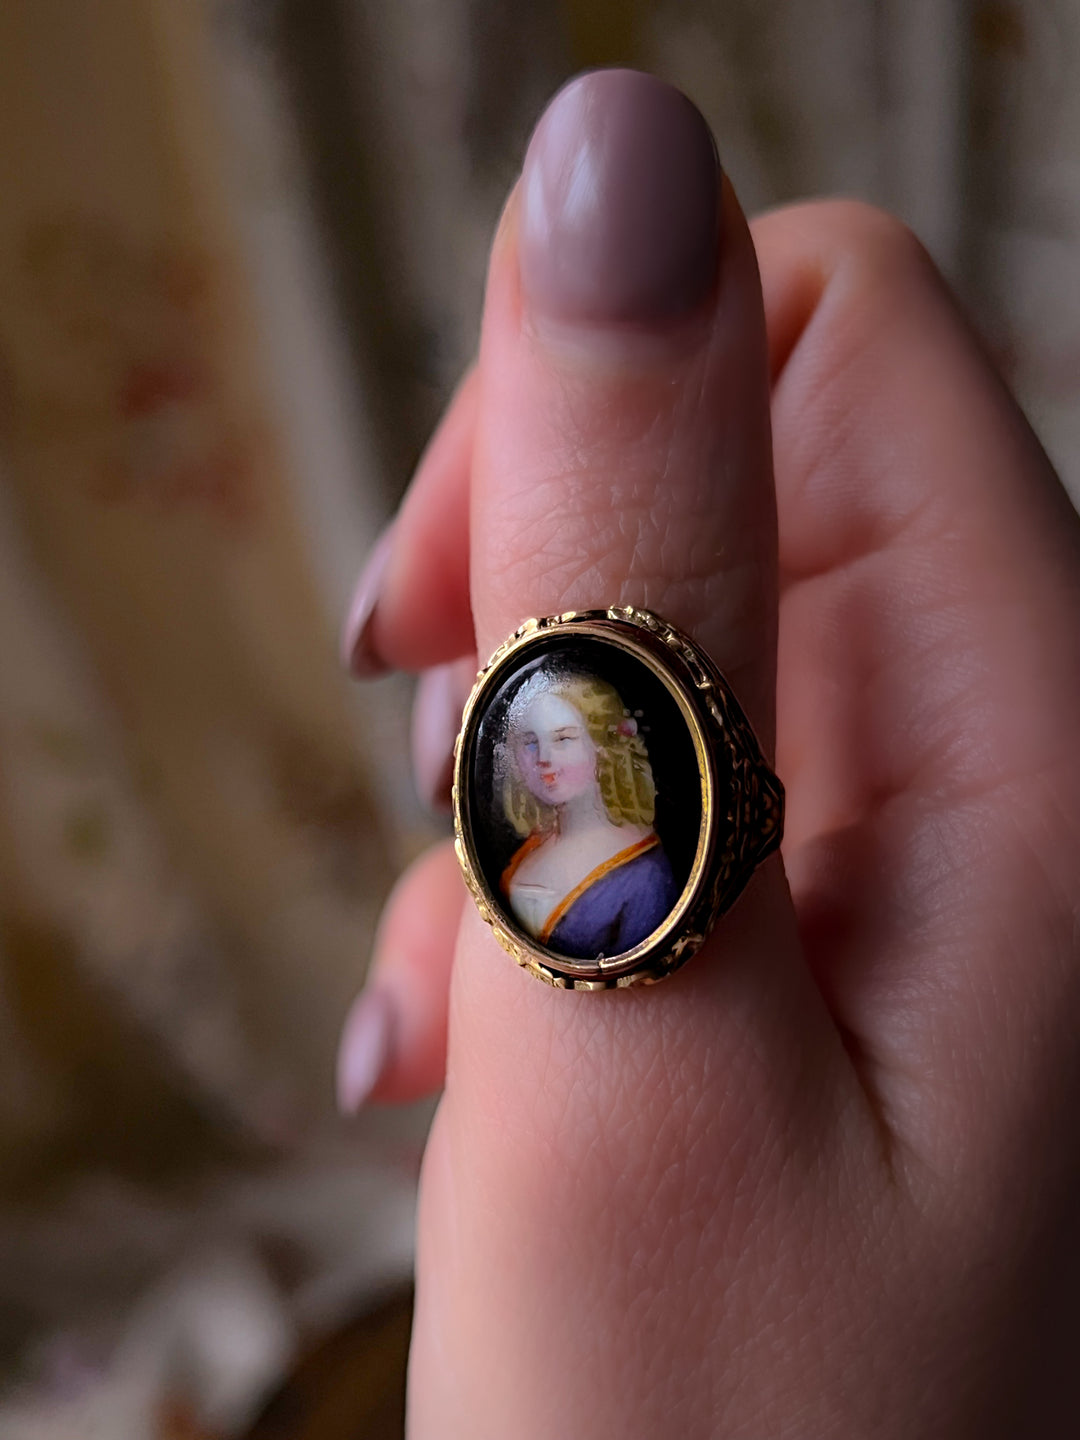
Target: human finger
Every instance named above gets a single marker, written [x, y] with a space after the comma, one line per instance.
[393, 1044]
[440, 699]
[410, 608]
[930, 692]
[622, 457]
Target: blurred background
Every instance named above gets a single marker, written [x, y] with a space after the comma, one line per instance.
[242, 246]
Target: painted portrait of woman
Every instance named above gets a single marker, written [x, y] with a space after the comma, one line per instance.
[590, 878]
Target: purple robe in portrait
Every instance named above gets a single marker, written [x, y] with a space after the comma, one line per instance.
[615, 907]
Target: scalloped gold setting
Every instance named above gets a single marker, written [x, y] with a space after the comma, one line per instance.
[742, 802]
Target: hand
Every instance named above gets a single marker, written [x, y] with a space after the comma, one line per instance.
[823, 1181]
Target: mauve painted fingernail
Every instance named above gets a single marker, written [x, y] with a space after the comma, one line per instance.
[436, 719]
[358, 653]
[366, 1043]
[620, 202]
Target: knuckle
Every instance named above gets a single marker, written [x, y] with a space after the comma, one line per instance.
[867, 233]
[877, 255]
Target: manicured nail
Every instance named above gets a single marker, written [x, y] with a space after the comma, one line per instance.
[358, 653]
[436, 719]
[620, 202]
[366, 1043]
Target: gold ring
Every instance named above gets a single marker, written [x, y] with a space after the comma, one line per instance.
[611, 800]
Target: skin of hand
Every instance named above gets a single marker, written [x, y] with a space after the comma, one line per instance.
[824, 1181]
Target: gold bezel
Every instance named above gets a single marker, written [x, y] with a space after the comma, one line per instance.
[738, 829]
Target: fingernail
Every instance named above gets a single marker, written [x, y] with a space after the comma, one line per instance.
[620, 202]
[365, 1048]
[436, 719]
[358, 653]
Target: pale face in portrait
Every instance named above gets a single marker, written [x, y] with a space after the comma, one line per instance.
[555, 755]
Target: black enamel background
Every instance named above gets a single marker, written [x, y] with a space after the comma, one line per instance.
[661, 723]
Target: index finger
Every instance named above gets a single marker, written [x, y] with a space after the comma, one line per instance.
[621, 456]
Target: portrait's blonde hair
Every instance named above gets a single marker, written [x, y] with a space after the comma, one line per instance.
[622, 762]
